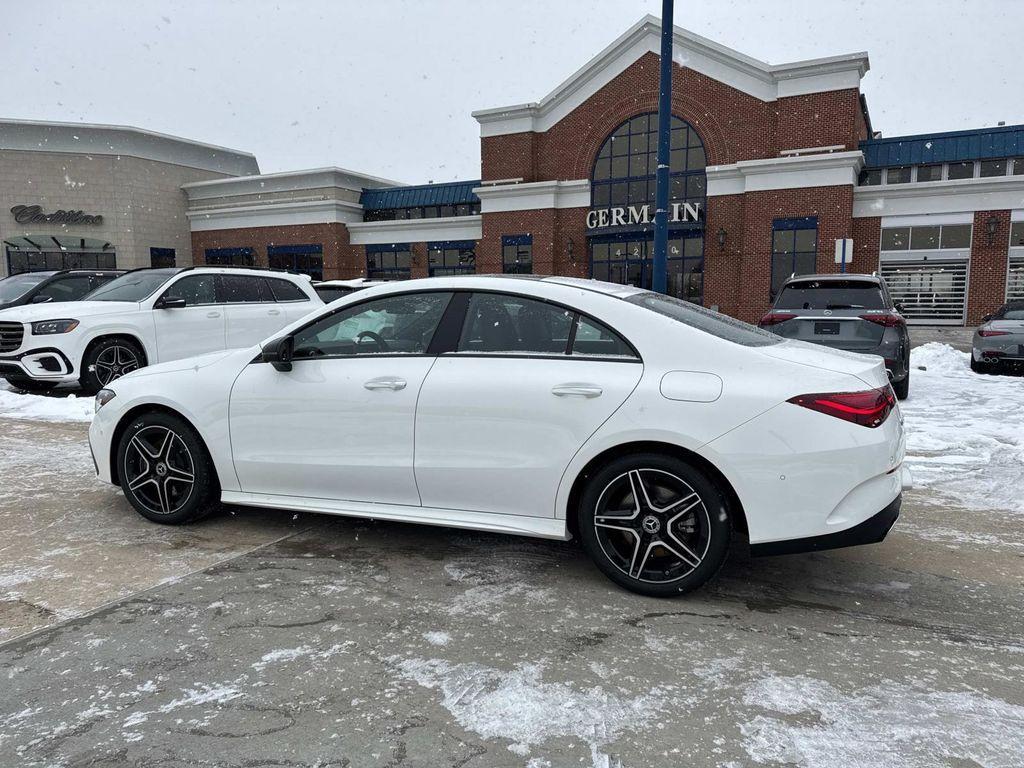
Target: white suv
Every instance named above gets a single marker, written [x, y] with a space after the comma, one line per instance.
[145, 317]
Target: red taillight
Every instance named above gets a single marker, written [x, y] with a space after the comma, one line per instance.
[888, 320]
[869, 409]
[774, 318]
[986, 334]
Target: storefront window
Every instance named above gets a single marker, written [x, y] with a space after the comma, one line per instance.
[929, 172]
[230, 257]
[303, 259]
[794, 250]
[161, 258]
[517, 254]
[961, 171]
[388, 262]
[626, 165]
[19, 261]
[899, 175]
[453, 257]
[926, 238]
[993, 168]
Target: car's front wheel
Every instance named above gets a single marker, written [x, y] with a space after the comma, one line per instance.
[654, 524]
[107, 360]
[165, 470]
[902, 387]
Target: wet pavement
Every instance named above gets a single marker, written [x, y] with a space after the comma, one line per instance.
[259, 639]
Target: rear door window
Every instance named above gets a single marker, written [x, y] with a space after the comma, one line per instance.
[498, 323]
[596, 340]
[831, 294]
[243, 289]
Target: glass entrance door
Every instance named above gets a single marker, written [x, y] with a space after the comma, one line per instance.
[629, 261]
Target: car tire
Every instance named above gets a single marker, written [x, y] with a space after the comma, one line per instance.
[979, 367]
[30, 385]
[107, 360]
[902, 387]
[671, 542]
[165, 470]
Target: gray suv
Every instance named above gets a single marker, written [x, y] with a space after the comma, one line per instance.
[850, 312]
[999, 340]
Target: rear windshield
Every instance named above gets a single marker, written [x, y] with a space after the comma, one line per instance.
[1012, 311]
[831, 294]
[722, 326]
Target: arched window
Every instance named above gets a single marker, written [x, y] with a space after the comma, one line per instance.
[625, 168]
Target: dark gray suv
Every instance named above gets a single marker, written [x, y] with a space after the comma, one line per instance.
[851, 312]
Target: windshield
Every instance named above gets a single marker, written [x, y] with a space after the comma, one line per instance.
[722, 326]
[1012, 311]
[18, 285]
[135, 286]
[831, 294]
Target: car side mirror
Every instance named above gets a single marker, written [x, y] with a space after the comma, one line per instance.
[41, 299]
[170, 302]
[278, 352]
[986, 318]
[898, 305]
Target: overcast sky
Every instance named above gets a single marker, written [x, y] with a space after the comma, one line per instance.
[387, 87]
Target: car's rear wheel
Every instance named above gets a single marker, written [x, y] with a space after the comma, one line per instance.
[902, 387]
[979, 367]
[654, 524]
[165, 470]
[108, 360]
[30, 385]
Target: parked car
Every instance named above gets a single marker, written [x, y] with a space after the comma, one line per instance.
[330, 290]
[854, 313]
[999, 340]
[42, 287]
[647, 426]
[144, 317]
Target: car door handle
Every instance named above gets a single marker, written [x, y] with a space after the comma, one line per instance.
[274, 312]
[576, 390]
[385, 382]
[213, 314]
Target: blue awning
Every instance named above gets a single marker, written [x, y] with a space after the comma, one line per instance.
[451, 193]
[950, 147]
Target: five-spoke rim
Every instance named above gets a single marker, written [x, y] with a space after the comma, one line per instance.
[114, 362]
[652, 525]
[159, 470]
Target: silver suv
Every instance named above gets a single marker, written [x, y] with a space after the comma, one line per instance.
[850, 312]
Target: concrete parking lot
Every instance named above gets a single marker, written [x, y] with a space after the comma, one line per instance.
[267, 639]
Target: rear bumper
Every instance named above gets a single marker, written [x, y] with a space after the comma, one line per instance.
[870, 531]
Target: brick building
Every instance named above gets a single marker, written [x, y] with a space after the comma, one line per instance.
[774, 168]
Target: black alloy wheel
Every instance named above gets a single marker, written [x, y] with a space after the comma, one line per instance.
[107, 361]
[654, 524]
[165, 470]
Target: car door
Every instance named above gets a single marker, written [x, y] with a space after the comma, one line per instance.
[251, 314]
[196, 328]
[339, 425]
[293, 303]
[500, 419]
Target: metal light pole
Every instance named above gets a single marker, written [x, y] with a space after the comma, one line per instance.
[659, 281]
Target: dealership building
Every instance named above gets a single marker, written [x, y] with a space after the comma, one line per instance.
[776, 169]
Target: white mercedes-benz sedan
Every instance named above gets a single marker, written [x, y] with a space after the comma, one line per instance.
[650, 428]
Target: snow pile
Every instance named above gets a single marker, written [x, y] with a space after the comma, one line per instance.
[56, 407]
[965, 431]
[516, 705]
[890, 724]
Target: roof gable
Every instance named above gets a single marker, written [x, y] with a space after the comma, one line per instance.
[767, 82]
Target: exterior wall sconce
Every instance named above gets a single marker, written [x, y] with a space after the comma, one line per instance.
[991, 225]
[722, 234]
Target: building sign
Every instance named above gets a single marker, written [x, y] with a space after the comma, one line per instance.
[632, 215]
[33, 214]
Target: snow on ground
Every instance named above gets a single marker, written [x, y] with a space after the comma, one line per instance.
[52, 407]
[965, 431]
[814, 725]
[519, 706]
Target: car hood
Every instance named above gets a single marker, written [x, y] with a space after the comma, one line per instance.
[31, 313]
[185, 364]
[868, 368]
